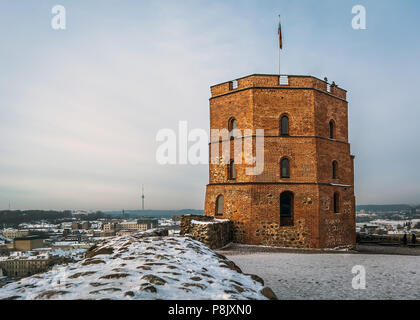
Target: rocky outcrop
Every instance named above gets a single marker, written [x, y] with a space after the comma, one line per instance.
[144, 266]
[269, 294]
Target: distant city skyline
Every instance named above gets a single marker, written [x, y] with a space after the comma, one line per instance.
[80, 108]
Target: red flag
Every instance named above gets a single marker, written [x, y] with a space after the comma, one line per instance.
[280, 37]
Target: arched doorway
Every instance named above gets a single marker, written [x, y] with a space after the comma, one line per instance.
[286, 209]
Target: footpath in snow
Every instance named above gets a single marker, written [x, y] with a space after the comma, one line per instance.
[295, 276]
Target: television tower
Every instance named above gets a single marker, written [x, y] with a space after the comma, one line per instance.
[142, 197]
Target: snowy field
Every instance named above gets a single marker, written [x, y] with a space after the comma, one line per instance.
[328, 276]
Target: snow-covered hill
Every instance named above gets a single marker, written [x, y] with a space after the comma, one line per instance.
[142, 267]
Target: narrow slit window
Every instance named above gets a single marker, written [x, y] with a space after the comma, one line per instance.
[284, 125]
[232, 126]
[232, 170]
[336, 202]
[286, 209]
[334, 170]
[332, 129]
[219, 205]
[285, 168]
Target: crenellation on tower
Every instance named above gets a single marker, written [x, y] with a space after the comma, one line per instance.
[273, 81]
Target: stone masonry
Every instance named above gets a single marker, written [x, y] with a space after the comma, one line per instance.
[253, 203]
[212, 232]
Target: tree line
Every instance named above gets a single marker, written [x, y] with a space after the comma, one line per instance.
[16, 217]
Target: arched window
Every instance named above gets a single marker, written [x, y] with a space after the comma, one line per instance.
[285, 168]
[336, 202]
[332, 129]
[219, 205]
[284, 125]
[232, 126]
[334, 170]
[286, 209]
[232, 170]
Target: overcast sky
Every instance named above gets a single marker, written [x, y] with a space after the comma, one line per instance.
[80, 108]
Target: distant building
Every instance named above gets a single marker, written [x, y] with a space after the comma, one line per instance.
[130, 226]
[125, 232]
[138, 225]
[369, 228]
[85, 225]
[22, 266]
[14, 233]
[28, 243]
[107, 233]
[80, 225]
[4, 250]
[110, 227]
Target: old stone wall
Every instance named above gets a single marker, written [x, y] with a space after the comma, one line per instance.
[374, 238]
[212, 232]
[255, 212]
[337, 229]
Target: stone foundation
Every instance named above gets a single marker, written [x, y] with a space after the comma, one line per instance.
[212, 232]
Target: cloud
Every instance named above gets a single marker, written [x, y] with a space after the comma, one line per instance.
[80, 109]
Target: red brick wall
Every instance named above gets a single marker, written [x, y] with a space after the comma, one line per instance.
[253, 202]
[337, 229]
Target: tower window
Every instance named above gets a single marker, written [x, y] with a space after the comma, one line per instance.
[332, 129]
[336, 202]
[334, 170]
[219, 205]
[284, 126]
[232, 170]
[286, 209]
[285, 168]
[232, 126]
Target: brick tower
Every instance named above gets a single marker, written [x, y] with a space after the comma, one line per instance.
[304, 196]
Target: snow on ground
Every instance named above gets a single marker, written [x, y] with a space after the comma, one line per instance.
[209, 222]
[136, 267]
[393, 222]
[3, 239]
[329, 276]
[75, 254]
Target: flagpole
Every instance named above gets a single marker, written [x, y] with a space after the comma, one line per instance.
[279, 60]
[279, 48]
